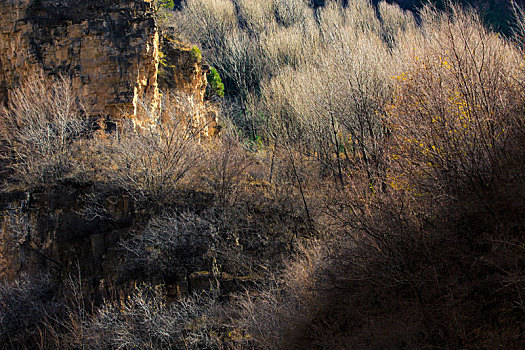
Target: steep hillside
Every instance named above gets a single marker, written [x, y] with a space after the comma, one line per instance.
[365, 190]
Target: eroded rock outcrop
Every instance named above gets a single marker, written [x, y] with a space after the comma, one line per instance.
[111, 50]
[181, 71]
[108, 47]
[61, 230]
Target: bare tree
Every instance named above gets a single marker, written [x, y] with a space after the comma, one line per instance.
[43, 128]
[150, 161]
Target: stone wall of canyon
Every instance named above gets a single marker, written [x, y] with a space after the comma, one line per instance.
[109, 49]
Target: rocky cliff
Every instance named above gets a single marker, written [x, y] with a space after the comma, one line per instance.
[109, 48]
[181, 71]
[62, 230]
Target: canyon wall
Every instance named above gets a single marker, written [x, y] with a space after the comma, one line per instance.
[109, 48]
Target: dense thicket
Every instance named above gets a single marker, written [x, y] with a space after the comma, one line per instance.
[368, 183]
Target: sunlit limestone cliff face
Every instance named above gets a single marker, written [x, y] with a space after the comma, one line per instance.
[108, 47]
[182, 73]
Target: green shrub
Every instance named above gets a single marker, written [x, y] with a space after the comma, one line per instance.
[167, 4]
[215, 85]
[197, 53]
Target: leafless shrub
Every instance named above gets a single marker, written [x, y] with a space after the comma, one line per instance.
[226, 165]
[322, 77]
[150, 162]
[25, 305]
[386, 284]
[43, 129]
[67, 329]
[290, 12]
[518, 28]
[172, 246]
[394, 22]
[145, 321]
[208, 21]
[391, 276]
[332, 108]
[456, 115]
[273, 315]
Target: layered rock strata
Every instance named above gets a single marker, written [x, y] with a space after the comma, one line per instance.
[109, 48]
